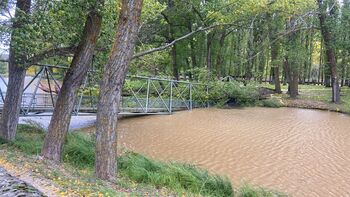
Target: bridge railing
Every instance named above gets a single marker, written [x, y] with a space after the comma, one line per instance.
[145, 95]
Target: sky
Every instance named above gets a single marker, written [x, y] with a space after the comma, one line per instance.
[5, 16]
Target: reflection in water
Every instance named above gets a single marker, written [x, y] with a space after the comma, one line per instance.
[300, 152]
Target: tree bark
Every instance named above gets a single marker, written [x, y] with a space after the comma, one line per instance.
[210, 37]
[17, 71]
[111, 86]
[73, 79]
[175, 64]
[330, 52]
[220, 57]
[292, 76]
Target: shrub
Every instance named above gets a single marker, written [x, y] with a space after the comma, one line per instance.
[273, 103]
[221, 93]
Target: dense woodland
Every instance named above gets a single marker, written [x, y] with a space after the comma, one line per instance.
[277, 41]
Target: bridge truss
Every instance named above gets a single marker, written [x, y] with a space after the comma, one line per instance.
[141, 95]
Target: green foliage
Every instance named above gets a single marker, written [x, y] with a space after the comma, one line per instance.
[29, 139]
[79, 150]
[236, 93]
[178, 177]
[272, 102]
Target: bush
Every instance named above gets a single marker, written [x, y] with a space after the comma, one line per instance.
[233, 93]
[273, 103]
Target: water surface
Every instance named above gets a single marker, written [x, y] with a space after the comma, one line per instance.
[300, 152]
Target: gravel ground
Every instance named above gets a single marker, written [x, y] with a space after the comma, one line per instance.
[11, 186]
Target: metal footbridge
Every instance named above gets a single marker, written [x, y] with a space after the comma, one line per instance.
[141, 95]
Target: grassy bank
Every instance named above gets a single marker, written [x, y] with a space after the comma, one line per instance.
[315, 97]
[137, 174]
[232, 94]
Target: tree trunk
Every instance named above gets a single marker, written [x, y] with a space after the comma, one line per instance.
[73, 79]
[111, 86]
[274, 54]
[209, 42]
[319, 80]
[12, 104]
[330, 52]
[220, 57]
[292, 76]
[175, 65]
[276, 71]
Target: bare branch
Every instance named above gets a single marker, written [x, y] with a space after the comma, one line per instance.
[178, 39]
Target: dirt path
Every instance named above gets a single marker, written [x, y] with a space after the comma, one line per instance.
[21, 179]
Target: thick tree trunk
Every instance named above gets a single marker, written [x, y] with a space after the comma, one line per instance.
[292, 76]
[72, 81]
[111, 87]
[330, 52]
[13, 99]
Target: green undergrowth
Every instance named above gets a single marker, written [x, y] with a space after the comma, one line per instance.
[175, 176]
[182, 179]
[271, 102]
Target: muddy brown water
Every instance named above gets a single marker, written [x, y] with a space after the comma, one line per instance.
[300, 152]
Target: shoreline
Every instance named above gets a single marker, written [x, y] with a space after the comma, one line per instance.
[313, 105]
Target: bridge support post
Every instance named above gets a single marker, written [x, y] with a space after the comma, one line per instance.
[148, 90]
[191, 103]
[171, 97]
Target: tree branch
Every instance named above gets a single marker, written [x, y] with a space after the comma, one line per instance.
[177, 40]
[50, 53]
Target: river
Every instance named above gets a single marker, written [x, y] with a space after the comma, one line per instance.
[299, 152]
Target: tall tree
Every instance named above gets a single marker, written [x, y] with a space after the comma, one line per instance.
[73, 79]
[275, 49]
[111, 86]
[326, 12]
[17, 72]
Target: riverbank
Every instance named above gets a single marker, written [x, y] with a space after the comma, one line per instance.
[313, 97]
[138, 175]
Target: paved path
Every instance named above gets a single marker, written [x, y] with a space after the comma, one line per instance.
[13, 187]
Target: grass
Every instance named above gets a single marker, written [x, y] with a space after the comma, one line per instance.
[316, 97]
[177, 177]
[137, 174]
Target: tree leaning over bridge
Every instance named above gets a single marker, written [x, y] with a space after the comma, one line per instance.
[111, 86]
[73, 79]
